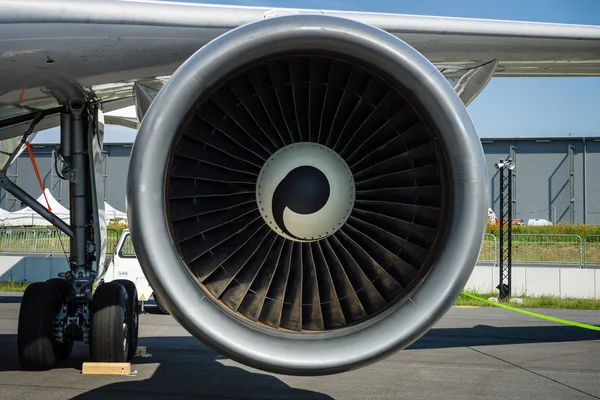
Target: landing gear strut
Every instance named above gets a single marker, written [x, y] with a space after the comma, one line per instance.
[56, 313]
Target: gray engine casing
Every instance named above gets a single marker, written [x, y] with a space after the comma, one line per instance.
[155, 192]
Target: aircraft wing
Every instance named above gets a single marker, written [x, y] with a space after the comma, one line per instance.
[52, 48]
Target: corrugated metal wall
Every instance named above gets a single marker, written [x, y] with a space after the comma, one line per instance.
[549, 177]
[115, 164]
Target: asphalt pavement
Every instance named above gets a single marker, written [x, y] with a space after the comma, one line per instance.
[472, 353]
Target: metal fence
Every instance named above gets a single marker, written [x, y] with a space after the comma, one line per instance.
[545, 249]
[591, 250]
[489, 249]
[48, 241]
[527, 249]
[536, 248]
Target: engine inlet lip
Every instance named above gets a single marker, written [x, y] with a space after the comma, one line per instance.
[401, 325]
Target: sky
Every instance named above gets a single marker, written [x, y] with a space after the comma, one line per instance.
[507, 107]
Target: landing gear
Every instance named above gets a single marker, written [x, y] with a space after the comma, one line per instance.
[62, 350]
[56, 313]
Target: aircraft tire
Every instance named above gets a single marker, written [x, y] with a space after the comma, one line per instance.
[35, 338]
[62, 285]
[133, 312]
[110, 322]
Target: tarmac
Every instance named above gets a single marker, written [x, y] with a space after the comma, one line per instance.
[472, 353]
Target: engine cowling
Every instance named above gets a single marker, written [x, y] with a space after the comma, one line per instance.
[307, 194]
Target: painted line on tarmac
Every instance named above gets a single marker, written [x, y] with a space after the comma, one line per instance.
[536, 315]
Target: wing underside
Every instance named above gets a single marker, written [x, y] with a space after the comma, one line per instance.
[52, 50]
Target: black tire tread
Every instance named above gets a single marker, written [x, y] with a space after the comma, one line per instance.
[107, 308]
[64, 288]
[133, 310]
[35, 338]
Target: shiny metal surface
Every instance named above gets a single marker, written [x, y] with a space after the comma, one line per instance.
[143, 95]
[346, 348]
[468, 82]
[15, 127]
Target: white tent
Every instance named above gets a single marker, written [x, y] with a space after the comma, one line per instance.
[28, 217]
[112, 213]
[3, 215]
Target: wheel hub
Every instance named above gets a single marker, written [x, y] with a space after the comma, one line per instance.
[305, 192]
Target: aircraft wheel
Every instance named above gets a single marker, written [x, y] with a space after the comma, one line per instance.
[133, 308]
[35, 338]
[109, 336]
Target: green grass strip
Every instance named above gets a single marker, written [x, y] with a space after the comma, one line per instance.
[536, 315]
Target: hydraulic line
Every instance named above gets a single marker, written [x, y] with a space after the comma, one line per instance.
[37, 174]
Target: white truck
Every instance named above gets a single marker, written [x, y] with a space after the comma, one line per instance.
[125, 265]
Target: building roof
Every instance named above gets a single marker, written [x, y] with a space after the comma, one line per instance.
[567, 136]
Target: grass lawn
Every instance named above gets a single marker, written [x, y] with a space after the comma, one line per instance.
[12, 286]
[533, 302]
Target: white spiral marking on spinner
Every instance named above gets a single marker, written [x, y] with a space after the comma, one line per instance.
[328, 219]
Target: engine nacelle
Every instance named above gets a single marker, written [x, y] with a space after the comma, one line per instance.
[307, 194]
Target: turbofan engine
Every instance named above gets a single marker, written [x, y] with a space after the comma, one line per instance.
[307, 194]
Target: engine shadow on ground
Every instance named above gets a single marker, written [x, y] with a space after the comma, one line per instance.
[485, 335]
[185, 368]
[188, 369]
